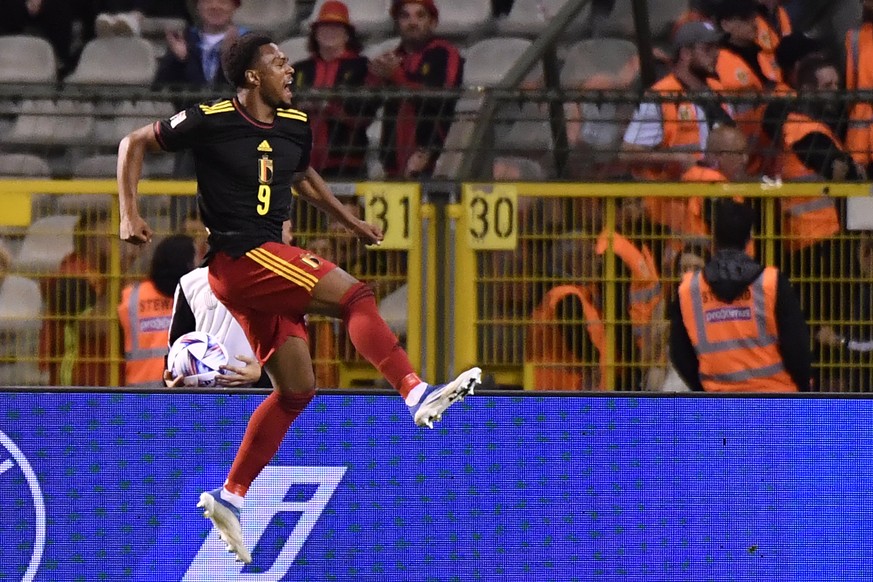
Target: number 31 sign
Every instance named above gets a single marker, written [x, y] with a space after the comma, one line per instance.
[492, 216]
[395, 209]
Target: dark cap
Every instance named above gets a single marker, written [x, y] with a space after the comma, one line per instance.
[692, 33]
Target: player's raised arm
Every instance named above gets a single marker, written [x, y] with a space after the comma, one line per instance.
[131, 152]
[311, 186]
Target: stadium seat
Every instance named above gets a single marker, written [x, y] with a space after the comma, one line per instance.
[277, 18]
[528, 18]
[461, 18]
[49, 123]
[529, 133]
[47, 242]
[295, 48]
[115, 61]
[20, 322]
[369, 17]
[600, 60]
[26, 59]
[131, 115]
[620, 22]
[24, 165]
[488, 61]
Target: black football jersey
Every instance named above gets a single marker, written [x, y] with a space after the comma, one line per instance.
[244, 169]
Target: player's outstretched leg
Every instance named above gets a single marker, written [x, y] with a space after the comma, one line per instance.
[428, 402]
[374, 340]
[225, 516]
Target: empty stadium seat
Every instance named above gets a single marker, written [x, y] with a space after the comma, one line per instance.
[26, 59]
[620, 22]
[24, 165]
[295, 48]
[529, 18]
[115, 61]
[131, 115]
[369, 17]
[600, 60]
[461, 18]
[488, 61]
[47, 242]
[46, 122]
[277, 18]
[20, 322]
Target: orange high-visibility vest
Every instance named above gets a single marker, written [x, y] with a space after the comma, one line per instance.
[145, 316]
[556, 366]
[695, 224]
[806, 219]
[859, 76]
[737, 343]
[681, 130]
[768, 37]
[646, 295]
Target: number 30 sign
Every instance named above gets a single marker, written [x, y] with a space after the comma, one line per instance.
[492, 216]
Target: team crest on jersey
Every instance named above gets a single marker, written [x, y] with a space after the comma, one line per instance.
[177, 119]
[265, 170]
[425, 68]
[743, 76]
[764, 41]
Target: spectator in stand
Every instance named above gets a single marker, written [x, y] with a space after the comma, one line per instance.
[726, 160]
[859, 77]
[665, 139]
[736, 325]
[414, 129]
[773, 25]
[52, 20]
[193, 56]
[74, 341]
[339, 126]
[146, 309]
[812, 250]
[192, 62]
[125, 17]
[742, 64]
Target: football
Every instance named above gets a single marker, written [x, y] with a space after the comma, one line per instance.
[198, 357]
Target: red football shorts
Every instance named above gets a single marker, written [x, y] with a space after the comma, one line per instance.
[267, 291]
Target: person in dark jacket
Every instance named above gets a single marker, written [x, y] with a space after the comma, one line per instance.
[339, 126]
[736, 325]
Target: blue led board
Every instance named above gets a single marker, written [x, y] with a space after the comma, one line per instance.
[102, 486]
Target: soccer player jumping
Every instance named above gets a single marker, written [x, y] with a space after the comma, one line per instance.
[249, 151]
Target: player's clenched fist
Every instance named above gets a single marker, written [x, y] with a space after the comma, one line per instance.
[369, 233]
[135, 230]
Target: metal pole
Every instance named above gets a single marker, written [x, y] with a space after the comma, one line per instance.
[513, 78]
[644, 42]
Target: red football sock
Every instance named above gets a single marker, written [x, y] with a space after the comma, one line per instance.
[374, 340]
[266, 429]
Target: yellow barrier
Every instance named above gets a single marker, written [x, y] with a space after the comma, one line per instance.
[399, 261]
[507, 243]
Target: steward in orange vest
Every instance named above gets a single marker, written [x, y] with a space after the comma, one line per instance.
[146, 310]
[564, 360]
[737, 325]
[859, 77]
[773, 25]
[663, 139]
[811, 151]
[567, 359]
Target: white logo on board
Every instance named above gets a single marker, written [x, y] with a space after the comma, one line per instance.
[265, 499]
[11, 460]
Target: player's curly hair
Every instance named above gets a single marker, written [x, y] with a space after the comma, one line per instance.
[238, 55]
